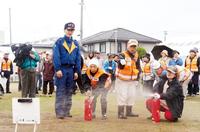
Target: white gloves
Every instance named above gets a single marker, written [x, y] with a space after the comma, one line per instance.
[122, 61]
[156, 96]
[110, 68]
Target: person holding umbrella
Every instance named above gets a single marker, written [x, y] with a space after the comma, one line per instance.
[164, 60]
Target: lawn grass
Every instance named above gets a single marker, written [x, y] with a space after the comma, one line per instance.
[190, 121]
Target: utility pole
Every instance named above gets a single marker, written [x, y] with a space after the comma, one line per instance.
[81, 23]
[165, 36]
[116, 44]
[10, 26]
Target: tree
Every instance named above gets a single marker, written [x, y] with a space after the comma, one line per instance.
[141, 51]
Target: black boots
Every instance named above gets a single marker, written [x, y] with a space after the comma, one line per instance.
[129, 112]
[121, 114]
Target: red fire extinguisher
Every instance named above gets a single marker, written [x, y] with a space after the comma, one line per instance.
[88, 108]
[156, 110]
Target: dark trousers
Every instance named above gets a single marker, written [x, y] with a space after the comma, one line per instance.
[103, 92]
[28, 83]
[193, 86]
[7, 76]
[19, 84]
[64, 88]
[1, 90]
[38, 81]
[8, 84]
[51, 86]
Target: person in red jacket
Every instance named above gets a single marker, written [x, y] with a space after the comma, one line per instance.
[48, 74]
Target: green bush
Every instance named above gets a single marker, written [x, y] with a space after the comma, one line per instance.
[141, 51]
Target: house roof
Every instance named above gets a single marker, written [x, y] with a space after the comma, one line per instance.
[121, 34]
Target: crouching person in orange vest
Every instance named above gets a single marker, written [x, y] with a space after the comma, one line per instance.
[98, 83]
[127, 79]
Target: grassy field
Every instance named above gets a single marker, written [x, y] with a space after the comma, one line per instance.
[190, 121]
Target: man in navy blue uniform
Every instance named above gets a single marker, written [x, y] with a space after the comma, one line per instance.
[67, 63]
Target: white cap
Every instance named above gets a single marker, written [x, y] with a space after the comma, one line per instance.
[94, 61]
[155, 65]
[132, 42]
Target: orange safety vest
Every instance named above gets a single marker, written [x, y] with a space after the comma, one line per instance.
[6, 65]
[192, 64]
[147, 69]
[163, 63]
[129, 72]
[95, 79]
[84, 69]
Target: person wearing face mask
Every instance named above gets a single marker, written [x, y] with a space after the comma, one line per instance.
[171, 102]
[7, 70]
[192, 63]
[127, 79]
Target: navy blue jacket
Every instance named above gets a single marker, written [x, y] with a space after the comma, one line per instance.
[62, 57]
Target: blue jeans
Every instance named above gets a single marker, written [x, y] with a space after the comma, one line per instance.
[64, 92]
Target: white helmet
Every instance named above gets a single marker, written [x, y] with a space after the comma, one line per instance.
[155, 65]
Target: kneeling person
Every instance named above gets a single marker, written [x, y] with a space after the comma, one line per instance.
[170, 102]
[97, 82]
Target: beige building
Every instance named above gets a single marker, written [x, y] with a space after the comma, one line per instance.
[115, 41]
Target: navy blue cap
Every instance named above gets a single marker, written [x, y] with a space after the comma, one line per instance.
[69, 25]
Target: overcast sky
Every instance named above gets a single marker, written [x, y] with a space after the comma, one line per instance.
[38, 19]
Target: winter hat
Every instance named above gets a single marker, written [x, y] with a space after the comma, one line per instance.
[94, 61]
[132, 42]
[195, 50]
[6, 55]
